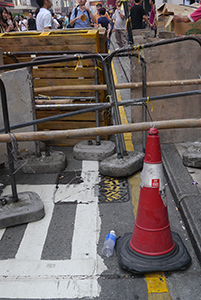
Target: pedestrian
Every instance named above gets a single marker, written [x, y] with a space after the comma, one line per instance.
[104, 22]
[129, 11]
[153, 16]
[129, 8]
[55, 23]
[138, 16]
[111, 26]
[132, 2]
[17, 18]
[31, 24]
[23, 23]
[10, 20]
[44, 17]
[66, 22]
[81, 15]
[193, 17]
[4, 26]
[119, 25]
[97, 14]
[61, 22]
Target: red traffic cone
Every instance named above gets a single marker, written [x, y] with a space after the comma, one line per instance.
[152, 246]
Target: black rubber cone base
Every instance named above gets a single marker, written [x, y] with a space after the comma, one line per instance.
[177, 259]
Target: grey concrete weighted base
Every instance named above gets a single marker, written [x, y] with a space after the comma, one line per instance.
[28, 208]
[120, 167]
[54, 163]
[88, 150]
[192, 156]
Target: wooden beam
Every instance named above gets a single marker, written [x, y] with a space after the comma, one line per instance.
[118, 86]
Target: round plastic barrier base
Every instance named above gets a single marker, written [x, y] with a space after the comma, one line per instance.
[177, 259]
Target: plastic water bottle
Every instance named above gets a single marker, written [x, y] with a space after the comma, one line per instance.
[109, 244]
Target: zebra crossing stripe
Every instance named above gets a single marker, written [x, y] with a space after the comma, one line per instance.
[31, 248]
[31, 277]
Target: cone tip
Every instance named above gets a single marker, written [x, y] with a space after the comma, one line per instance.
[153, 131]
[153, 152]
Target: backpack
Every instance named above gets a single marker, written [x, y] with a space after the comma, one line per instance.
[72, 26]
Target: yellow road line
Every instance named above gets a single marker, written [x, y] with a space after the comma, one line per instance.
[156, 282]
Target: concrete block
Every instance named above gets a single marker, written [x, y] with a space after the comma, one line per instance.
[192, 156]
[138, 39]
[88, 150]
[28, 208]
[145, 33]
[54, 163]
[166, 35]
[120, 167]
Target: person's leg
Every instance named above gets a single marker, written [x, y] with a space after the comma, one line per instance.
[108, 44]
[123, 38]
[118, 37]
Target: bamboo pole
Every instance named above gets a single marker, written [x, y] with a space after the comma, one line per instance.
[64, 101]
[107, 130]
[118, 85]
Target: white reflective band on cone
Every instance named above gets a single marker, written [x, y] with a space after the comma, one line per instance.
[152, 176]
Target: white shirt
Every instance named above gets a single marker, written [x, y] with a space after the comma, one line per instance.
[43, 19]
[55, 23]
[119, 22]
[22, 25]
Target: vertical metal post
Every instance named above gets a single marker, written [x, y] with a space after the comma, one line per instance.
[97, 101]
[144, 94]
[119, 155]
[9, 145]
[37, 143]
[116, 109]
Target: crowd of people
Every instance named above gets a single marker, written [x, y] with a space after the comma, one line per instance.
[19, 23]
[81, 17]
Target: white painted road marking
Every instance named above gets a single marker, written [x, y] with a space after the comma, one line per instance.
[31, 277]
[30, 247]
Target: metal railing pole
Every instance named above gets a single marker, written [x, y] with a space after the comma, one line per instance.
[119, 155]
[37, 143]
[144, 111]
[97, 101]
[116, 109]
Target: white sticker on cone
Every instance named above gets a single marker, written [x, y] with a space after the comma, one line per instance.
[155, 183]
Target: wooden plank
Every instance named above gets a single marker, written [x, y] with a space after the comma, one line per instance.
[64, 125]
[62, 39]
[61, 82]
[65, 93]
[83, 117]
[73, 63]
[83, 62]
[64, 42]
[63, 72]
[70, 47]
